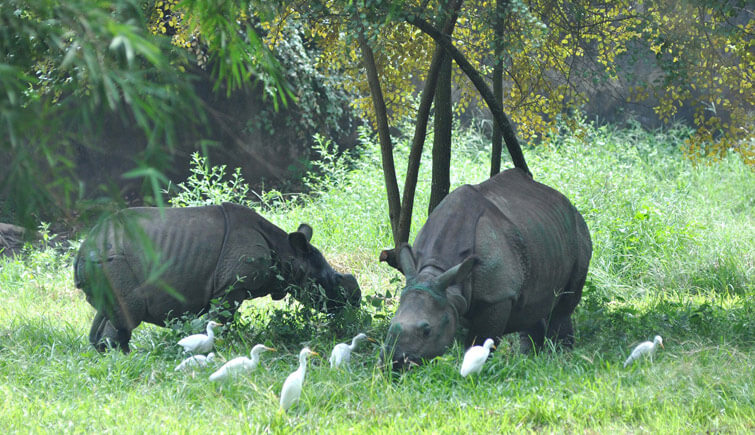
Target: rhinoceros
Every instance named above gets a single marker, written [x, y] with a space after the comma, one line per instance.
[146, 264]
[506, 255]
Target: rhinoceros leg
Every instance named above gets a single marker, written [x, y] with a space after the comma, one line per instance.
[560, 329]
[95, 332]
[532, 338]
[103, 335]
[488, 321]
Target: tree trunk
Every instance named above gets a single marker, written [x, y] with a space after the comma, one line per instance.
[386, 146]
[509, 137]
[420, 130]
[441, 180]
[496, 145]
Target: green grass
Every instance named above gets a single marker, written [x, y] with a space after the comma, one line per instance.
[674, 242]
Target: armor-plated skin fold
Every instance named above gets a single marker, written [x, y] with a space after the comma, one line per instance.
[507, 255]
[147, 264]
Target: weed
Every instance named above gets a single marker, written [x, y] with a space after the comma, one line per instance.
[207, 186]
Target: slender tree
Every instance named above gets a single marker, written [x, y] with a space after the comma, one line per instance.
[496, 140]
[386, 145]
[420, 129]
[507, 129]
[441, 176]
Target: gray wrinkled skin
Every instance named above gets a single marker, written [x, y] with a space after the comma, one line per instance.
[507, 255]
[148, 265]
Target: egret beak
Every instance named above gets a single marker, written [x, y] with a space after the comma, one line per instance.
[493, 347]
[314, 354]
[371, 339]
[661, 343]
[271, 349]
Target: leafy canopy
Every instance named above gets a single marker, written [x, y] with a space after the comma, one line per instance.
[67, 67]
[555, 55]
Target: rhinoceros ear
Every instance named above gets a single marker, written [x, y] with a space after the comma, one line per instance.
[406, 261]
[456, 274]
[306, 230]
[299, 242]
[391, 257]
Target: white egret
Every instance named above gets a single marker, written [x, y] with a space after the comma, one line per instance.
[196, 361]
[341, 353]
[475, 358]
[240, 364]
[200, 343]
[292, 386]
[646, 348]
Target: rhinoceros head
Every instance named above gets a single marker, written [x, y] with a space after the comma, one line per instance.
[427, 316]
[321, 287]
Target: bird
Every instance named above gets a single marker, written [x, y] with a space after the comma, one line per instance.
[292, 386]
[240, 364]
[646, 348]
[200, 343]
[341, 353]
[195, 361]
[475, 358]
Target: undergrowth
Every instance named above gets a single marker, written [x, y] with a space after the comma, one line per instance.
[673, 255]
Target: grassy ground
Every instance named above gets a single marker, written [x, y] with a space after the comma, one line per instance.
[674, 245]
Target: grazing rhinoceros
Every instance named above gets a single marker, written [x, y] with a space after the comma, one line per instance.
[147, 265]
[507, 255]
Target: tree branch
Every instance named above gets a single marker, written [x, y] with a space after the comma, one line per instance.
[509, 136]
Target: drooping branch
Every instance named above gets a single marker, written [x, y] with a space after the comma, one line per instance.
[420, 130]
[509, 137]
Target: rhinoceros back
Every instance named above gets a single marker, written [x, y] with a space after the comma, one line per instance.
[554, 232]
[144, 262]
[528, 246]
[555, 243]
[248, 253]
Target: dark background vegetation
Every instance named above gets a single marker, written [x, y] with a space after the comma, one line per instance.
[104, 102]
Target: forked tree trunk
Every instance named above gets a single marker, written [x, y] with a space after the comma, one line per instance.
[420, 130]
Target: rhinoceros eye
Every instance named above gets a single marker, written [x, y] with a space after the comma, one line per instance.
[424, 328]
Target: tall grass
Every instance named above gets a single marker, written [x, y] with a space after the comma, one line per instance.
[673, 255]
